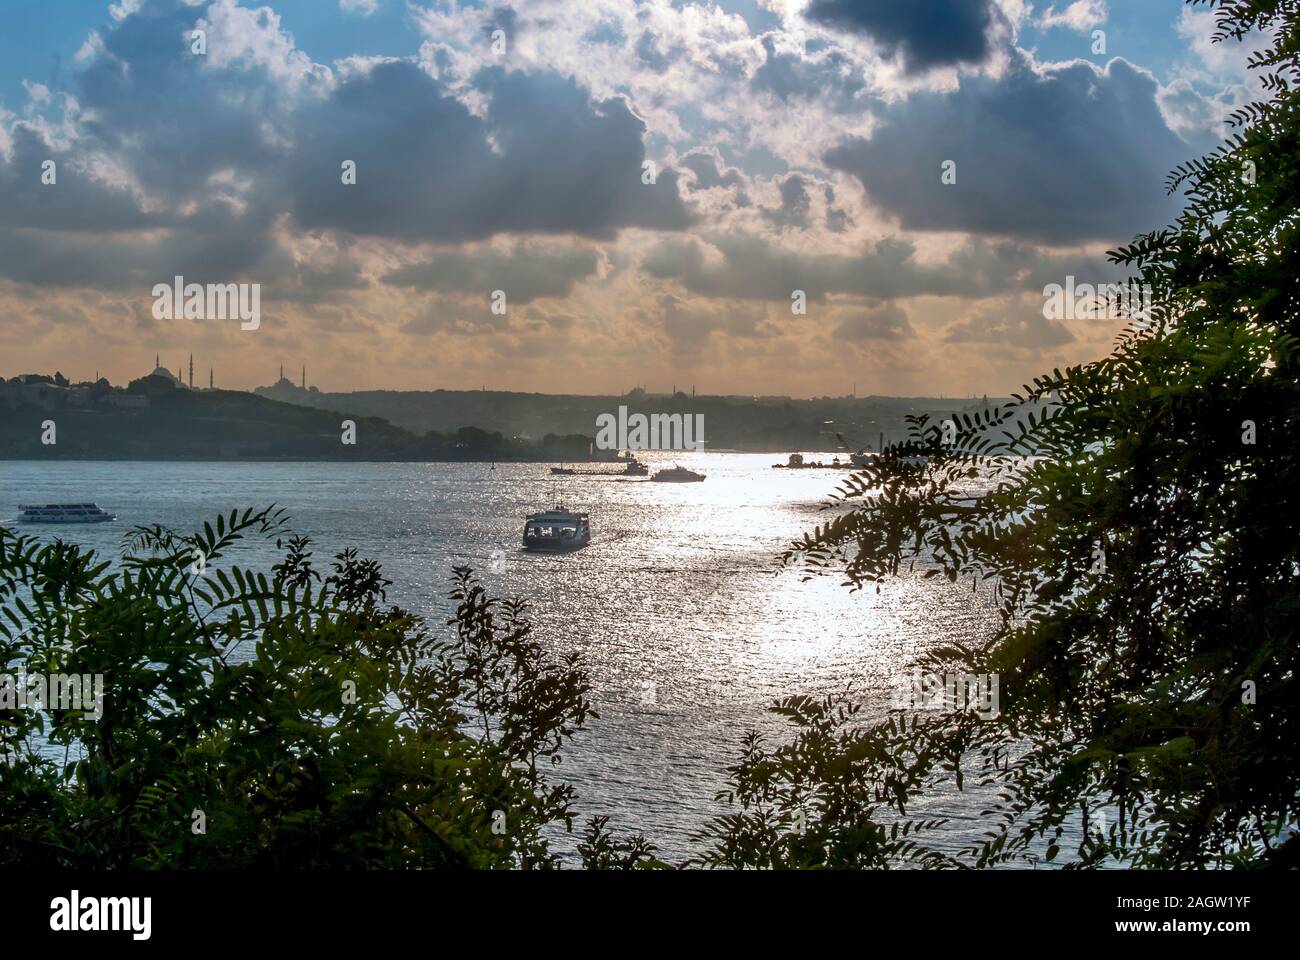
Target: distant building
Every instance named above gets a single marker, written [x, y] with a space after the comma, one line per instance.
[35, 389]
[287, 391]
[162, 372]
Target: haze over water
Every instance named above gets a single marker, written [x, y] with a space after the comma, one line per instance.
[684, 623]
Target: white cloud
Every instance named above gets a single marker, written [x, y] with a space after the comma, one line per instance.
[38, 93]
[251, 38]
[124, 9]
[93, 46]
[1191, 114]
[1215, 80]
[1082, 15]
[1223, 62]
[362, 8]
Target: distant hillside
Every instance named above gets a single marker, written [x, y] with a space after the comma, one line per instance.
[155, 420]
[769, 424]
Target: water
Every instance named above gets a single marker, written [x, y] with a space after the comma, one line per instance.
[685, 623]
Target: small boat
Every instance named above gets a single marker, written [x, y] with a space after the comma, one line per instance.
[677, 475]
[635, 468]
[557, 530]
[565, 471]
[63, 513]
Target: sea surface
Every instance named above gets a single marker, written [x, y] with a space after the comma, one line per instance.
[686, 621]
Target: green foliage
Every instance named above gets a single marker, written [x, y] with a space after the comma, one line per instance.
[311, 725]
[602, 850]
[831, 798]
[1142, 553]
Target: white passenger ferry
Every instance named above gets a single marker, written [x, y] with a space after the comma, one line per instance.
[63, 513]
[557, 530]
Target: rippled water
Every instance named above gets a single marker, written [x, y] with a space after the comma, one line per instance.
[686, 626]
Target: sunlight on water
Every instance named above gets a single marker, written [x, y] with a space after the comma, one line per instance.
[687, 623]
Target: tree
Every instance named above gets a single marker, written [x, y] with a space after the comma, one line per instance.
[285, 721]
[1138, 530]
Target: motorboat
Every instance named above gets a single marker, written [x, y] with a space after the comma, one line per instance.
[557, 530]
[63, 513]
[677, 475]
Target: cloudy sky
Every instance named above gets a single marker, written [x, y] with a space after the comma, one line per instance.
[794, 145]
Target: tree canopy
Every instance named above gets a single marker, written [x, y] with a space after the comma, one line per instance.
[1137, 524]
[282, 720]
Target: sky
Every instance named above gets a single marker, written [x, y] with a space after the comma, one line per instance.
[801, 197]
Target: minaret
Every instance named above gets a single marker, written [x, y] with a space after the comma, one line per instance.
[157, 360]
[209, 378]
[191, 371]
[304, 376]
[282, 371]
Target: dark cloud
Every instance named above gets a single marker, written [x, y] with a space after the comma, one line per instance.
[751, 268]
[1074, 153]
[75, 201]
[886, 321]
[209, 159]
[689, 325]
[710, 172]
[524, 274]
[456, 317]
[168, 116]
[609, 32]
[193, 140]
[652, 55]
[547, 159]
[1023, 329]
[927, 33]
[837, 219]
[829, 77]
[151, 109]
[316, 283]
[219, 252]
[796, 203]
[504, 19]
